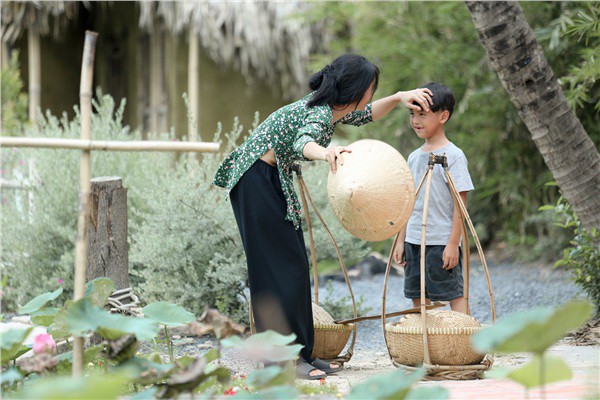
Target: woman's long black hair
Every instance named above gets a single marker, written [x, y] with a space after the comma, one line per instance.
[344, 81]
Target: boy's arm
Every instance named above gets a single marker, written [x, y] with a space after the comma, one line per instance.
[399, 250]
[450, 255]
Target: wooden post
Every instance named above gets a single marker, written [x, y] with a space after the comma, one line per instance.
[5, 54]
[155, 77]
[85, 99]
[35, 74]
[107, 230]
[193, 89]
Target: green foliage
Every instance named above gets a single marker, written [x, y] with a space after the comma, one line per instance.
[14, 101]
[534, 331]
[168, 314]
[38, 236]
[11, 343]
[396, 385]
[417, 42]
[84, 316]
[340, 307]
[99, 290]
[40, 301]
[268, 346]
[84, 387]
[582, 256]
[541, 371]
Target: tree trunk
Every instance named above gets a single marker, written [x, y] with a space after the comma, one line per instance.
[35, 74]
[528, 79]
[107, 232]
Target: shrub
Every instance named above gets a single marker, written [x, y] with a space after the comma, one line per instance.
[189, 250]
[14, 101]
[38, 235]
[582, 256]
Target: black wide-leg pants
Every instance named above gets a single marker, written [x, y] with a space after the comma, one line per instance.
[278, 270]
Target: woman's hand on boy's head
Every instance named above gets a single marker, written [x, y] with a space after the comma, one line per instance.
[420, 96]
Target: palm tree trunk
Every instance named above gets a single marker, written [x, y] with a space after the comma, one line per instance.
[529, 81]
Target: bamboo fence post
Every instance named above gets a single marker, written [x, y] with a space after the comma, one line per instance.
[35, 74]
[193, 90]
[85, 98]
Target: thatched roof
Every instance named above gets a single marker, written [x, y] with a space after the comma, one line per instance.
[265, 40]
[41, 17]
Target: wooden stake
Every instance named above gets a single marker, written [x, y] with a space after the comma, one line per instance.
[426, 359]
[193, 89]
[85, 99]
[35, 74]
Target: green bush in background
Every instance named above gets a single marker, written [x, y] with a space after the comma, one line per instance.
[417, 42]
[184, 243]
[13, 99]
[39, 236]
[582, 256]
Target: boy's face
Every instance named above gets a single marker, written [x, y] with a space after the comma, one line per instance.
[427, 123]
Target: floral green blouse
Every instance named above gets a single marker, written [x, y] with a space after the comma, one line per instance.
[286, 131]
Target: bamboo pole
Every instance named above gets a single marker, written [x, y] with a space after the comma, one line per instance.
[35, 74]
[107, 145]
[155, 77]
[193, 90]
[313, 253]
[85, 99]
[426, 359]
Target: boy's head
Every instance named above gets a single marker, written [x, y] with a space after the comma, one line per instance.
[426, 124]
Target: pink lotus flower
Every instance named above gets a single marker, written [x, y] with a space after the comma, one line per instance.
[43, 343]
[60, 281]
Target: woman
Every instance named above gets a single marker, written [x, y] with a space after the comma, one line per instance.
[258, 175]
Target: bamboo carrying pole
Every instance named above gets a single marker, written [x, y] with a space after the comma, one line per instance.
[426, 358]
[85, 98]
[107, 145]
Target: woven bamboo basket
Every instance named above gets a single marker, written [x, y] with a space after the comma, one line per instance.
[330, 338]
[449, 335]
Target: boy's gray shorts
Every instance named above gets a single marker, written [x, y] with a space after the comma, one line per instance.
[440, 284]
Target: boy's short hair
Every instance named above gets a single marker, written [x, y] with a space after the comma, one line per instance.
[443, 98]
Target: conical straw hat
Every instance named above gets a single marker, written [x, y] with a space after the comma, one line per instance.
[372, 194]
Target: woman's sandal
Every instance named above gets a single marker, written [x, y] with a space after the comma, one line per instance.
[325, 366]
[303, 370]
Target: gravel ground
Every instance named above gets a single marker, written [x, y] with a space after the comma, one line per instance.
[516, 287]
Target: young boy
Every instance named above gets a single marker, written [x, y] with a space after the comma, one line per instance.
[444, 281]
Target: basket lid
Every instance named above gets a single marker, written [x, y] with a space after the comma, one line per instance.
[321, 316]
[443, 322]
[372, 194]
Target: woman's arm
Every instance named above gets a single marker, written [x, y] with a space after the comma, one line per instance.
[383, 106]
[332, 155]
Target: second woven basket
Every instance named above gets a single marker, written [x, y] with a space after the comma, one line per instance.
[449, 337]
[330, 338]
